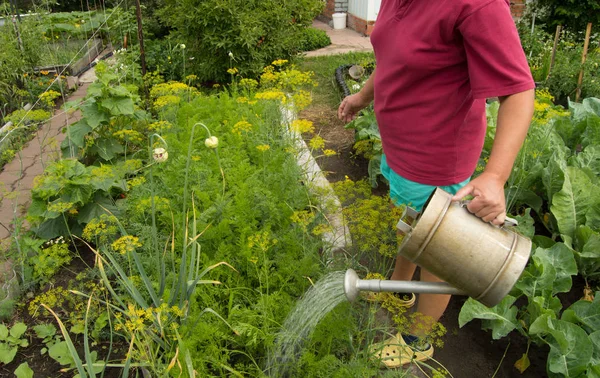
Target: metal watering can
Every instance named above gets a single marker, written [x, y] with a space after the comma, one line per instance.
[473, 257]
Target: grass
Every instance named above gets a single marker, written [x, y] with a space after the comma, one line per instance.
[327, 91]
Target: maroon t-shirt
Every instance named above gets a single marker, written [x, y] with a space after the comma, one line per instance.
[437, 62]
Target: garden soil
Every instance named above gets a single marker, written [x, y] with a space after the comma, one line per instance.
[468, 352]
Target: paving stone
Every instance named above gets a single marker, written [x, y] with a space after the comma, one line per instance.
[9, 281]
[72, 82]
[18, 176]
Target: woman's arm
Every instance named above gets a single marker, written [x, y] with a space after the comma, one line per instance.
[514, 117]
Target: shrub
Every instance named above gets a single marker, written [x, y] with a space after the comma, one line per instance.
[313, 39]
[574, 14]
[255, 32]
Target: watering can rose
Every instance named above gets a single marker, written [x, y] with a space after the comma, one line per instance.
[211, 142]
[160, 155]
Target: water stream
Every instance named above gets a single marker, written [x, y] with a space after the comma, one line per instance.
[317, 302]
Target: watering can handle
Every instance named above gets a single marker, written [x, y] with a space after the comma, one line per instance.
[410, 215]
[508, 222]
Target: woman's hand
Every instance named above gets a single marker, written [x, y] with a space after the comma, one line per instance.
[351, 105]
[488, 201]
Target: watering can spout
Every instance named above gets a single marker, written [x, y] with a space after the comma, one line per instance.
[353, 285]
[350, 285]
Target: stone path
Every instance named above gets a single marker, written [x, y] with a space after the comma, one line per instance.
[342, 41]
[18, 176]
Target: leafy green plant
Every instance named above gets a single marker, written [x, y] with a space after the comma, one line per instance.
[23, 371]
[313, 39]
[254, 32]
[574, 14]
[111, 125]
[368, 142]
[69, 195]
[555, 179]
[47, 332]
[11, 340]
[24, 125]
[50, 259]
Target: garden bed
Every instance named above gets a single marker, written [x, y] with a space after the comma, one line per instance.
[470, 340]
[70, 58]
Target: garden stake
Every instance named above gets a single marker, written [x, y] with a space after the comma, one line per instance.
[588, 31]
[554, 47]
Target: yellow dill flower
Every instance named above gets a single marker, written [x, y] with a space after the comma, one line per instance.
[248, 84]
[242, 100]
[48, 97]
[129, 135]
[44, 72]
[191, 77]
[166, 100]
[302, 218]
[242, 126]
[271, 95]
[263, 147]
[544, 94]
[132, 165]
[136, 181]
[171, 88]
[159, 126]
[302, 126]
[301, 99]
[101, 228]
[126, 244]
[329, 152]
[261, 240]
[279, 62]
[322, 229]
[60, 206]
[232, 71]
[317, 142]
[160, 204]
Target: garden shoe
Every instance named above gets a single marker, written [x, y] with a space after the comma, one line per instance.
[399, 299]
[395, 352]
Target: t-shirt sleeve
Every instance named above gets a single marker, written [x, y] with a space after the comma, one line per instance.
[495, 57]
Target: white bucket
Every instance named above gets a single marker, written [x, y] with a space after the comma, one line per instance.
[339, 21]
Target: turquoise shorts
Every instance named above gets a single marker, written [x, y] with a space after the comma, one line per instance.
[413, 194]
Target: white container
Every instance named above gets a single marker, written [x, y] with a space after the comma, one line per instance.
[339, 21]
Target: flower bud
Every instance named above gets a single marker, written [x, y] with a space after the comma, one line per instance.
[211, 142]
[160, 155]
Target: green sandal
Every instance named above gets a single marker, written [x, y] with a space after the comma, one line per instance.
[394, 352]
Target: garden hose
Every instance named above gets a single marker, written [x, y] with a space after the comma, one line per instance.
[339, 78]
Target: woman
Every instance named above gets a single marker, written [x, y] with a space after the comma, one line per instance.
[437, 63]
